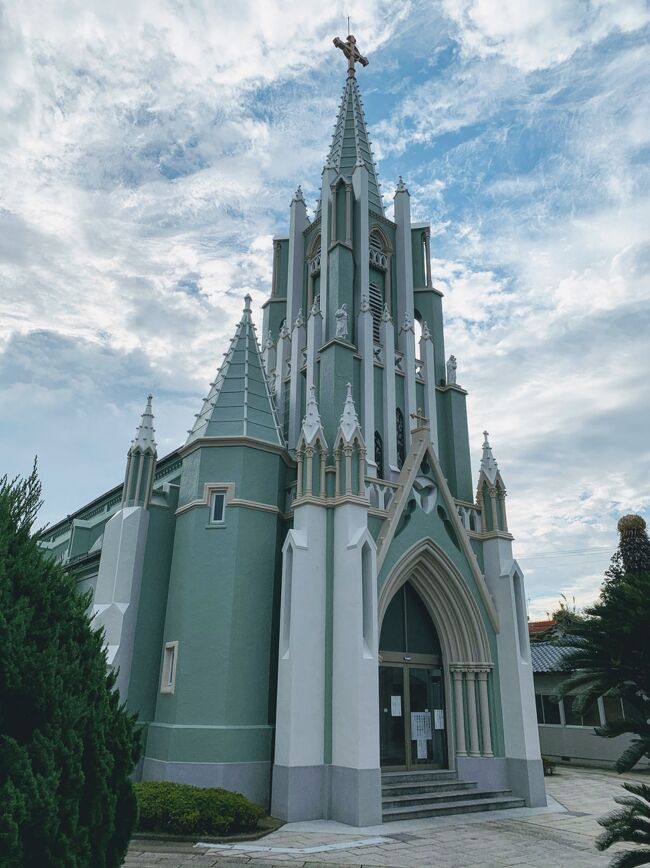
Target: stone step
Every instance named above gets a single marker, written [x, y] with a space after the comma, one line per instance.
[423, 799]
[414, 812]
[417, 776]
[426, 787]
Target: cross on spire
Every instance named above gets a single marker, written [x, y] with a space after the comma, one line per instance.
[349, 48]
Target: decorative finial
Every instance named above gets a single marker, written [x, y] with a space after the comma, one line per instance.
[299, 323]
[426, 334]
[386, 317]
[144, 439]
[298, 196]
[351, 52]
[315, 308]
[401, 186]
[269, 340]
[247, 302]
[365, 303]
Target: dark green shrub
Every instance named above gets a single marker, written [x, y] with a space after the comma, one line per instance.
[67, 745]
[180, 809]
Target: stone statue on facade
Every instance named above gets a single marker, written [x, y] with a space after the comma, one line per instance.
[342, 321]
[451, 370]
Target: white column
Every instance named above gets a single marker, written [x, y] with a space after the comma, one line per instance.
[484, 707]
[390, 432]
[298, 342]
[366, 350]
[403, 258]
[281, 367]
[356, 777]
[117, 594]
[298, 222]
[474, 749]
[299, 733]
[459, 712]
[314, 342]
[430, 404]
[407, 342]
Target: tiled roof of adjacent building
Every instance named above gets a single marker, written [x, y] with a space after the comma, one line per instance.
[535, 627]
[548, 657]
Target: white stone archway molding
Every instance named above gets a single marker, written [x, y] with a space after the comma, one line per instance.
[463, 637]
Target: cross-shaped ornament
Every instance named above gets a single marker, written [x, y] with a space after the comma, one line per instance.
[350, 50]
[420, 419]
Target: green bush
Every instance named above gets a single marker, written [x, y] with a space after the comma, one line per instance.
[180, 809]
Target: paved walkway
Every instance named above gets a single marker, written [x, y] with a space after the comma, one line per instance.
[559, 836]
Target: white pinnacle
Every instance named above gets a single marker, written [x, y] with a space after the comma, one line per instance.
[144, 438]
[488, 464]
[311, 424]
[349, 419]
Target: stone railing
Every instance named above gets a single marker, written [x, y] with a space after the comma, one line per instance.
[380, 492]
[470, 516]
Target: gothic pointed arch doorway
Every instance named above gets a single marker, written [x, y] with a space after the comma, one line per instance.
[412, 717]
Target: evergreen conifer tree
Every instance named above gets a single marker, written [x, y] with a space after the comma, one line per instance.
[67, 746]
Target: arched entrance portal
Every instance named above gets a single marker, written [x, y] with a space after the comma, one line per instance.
[412, 726]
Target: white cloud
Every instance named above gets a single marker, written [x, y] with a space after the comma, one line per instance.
[532, 36]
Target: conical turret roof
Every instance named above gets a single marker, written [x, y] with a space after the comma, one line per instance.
[351, 145]
[145, 440]
[239, 402]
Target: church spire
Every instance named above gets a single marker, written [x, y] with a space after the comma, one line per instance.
[141, 462]
[239, 403]
[350, 144]
[488, 464]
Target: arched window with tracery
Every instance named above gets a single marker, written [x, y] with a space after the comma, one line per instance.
[399, 425]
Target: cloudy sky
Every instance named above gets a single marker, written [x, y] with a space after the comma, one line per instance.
[148, 153]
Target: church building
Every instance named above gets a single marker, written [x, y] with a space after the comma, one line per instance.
[309, 601]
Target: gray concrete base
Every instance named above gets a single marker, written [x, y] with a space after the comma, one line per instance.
[490, 773]
[300, 792]
[253, 780]
[524, 777]
[527, 781]
[356, 796]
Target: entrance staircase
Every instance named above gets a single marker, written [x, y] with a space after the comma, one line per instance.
[410, 795]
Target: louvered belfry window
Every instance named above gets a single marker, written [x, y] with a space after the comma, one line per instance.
[376, 301]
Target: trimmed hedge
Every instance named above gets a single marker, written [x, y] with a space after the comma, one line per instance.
[181, 809]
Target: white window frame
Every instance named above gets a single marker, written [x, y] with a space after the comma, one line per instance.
[214, 494]
[169, 667]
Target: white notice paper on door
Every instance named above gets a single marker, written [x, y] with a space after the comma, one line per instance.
[396, 706]
[420, 725]
[422, 748]
[438, 718]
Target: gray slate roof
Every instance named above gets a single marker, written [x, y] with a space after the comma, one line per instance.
[239, 402]
[547, 656]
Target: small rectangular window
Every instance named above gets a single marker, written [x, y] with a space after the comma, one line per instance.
[218, 507]
[540, 710]
[551, 710]
[168, 680]
[613, 708]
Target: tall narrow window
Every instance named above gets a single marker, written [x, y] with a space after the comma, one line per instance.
[379, 455]
[218, 507]
[399, 424]
[168, 679]
[376, 301]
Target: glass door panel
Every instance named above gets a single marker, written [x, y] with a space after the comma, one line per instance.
[426, 721]
[391, 716]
